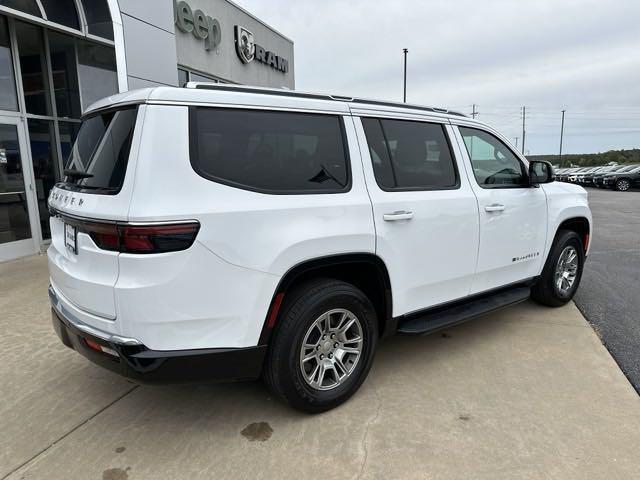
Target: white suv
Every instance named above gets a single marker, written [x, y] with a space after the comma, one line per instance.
[222, 233]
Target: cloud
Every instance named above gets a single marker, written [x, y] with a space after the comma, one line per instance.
[581, 55]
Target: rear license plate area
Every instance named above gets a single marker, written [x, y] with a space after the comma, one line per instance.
[71, 238]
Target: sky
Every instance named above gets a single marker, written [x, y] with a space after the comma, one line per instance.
[582, 56]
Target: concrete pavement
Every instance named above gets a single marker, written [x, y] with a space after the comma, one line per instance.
[529, 392]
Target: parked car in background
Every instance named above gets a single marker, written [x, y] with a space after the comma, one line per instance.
[560, 173]
[586, 179]
[583, 177]
[623, 179]
[564, 175]
[597, 177]
[573, 176]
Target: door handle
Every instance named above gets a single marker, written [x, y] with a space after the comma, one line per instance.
[496, 207]
[399, 215]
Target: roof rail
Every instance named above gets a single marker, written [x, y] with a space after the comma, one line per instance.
[314, 96]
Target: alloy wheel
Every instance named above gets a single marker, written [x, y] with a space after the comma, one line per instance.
[566, 270]
[331, 349]
[623, 185]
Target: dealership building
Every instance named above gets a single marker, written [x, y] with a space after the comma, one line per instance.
[59, 56]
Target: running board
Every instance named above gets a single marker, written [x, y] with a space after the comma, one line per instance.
[446, 316]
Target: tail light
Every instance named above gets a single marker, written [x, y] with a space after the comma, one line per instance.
[131, 238]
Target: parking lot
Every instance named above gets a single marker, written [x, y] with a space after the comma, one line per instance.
[608, 294]
[528, 392]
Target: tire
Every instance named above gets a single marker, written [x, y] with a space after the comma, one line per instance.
[285, 372]
[623, 185]
[547, 290]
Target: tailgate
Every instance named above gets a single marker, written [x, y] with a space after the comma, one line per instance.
[97, 188]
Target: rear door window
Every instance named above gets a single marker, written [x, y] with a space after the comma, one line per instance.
[270, 152]
[410, 155]
[98, 160]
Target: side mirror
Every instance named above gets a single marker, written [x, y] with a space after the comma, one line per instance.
[540, 172]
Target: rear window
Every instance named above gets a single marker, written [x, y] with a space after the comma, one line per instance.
[270, 152]
[98, 160]
[409, 155]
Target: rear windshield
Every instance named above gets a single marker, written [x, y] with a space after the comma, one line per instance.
[98, 160]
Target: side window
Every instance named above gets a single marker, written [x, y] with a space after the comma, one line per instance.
[494, 164]
[271, 152]
[409, 155]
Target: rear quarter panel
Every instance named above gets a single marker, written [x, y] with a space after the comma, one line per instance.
[264, 232]
[217, 293]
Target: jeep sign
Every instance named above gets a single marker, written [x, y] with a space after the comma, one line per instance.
[202, 26]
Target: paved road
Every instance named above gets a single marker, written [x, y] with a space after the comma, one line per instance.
[609, 296]
[525, 393]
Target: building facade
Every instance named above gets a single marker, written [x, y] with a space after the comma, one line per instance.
[59, 56]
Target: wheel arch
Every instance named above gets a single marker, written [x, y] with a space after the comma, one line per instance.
[580, 225]
[366, 271]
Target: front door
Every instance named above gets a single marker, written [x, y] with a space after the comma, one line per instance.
[513, 215]
[18, 224]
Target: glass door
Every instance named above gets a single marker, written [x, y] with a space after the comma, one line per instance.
[18, 233]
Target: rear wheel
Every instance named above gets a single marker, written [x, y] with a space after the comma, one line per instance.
[324, 345]
[562, 272]
[623, 185]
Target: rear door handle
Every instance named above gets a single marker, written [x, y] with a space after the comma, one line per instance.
[496, 207]
[399, 215]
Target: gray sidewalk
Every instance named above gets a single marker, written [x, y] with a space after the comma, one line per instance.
[529, 392]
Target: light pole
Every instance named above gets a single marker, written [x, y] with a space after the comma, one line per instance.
[404, 96]
[561, 135]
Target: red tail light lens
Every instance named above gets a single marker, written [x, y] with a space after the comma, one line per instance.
[157, 238]
[127, 238]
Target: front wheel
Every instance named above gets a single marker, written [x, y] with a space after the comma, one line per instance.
[323, 347]
[562, 273]
[623, 185]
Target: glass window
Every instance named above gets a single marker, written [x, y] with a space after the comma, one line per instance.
[14, 215]
[277, 152]
[8, 96]
[65, 75]
[26, 6]
[101, 151]
[68, 132]
[410, 155]
[45, 166]
[97, 70]
[98, 18]
[62, 12]
[183, 77]
[494, 164]
[34, 69]
[194, 77]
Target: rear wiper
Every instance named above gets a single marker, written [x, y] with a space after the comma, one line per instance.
[77, 174]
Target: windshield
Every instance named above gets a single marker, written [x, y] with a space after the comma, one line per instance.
[628, 168]
[98, 160]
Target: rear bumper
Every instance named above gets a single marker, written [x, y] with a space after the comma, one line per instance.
[133, 360]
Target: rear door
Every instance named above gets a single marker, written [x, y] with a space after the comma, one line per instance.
[425, 212]
[97, 189]
[513, 215]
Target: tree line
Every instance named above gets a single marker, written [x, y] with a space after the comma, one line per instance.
[592, 159]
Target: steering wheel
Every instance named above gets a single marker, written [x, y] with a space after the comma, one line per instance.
[491, 179]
